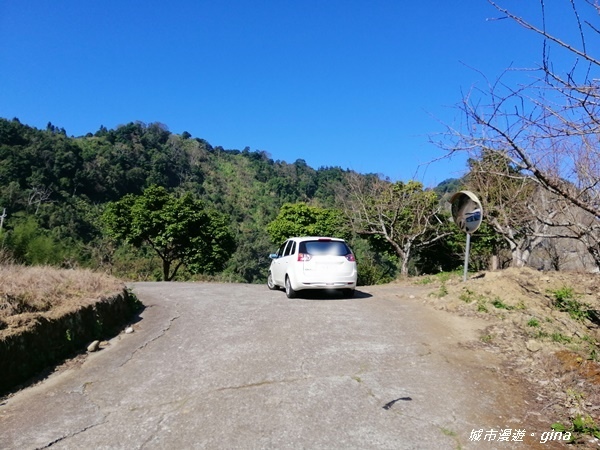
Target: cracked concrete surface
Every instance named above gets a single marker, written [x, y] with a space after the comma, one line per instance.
[239, 366]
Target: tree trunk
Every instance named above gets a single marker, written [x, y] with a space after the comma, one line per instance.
[166, 269]
[518, 257]
[404, 255]
[404, 267]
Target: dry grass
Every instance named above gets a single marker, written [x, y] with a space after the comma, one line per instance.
[27, 292]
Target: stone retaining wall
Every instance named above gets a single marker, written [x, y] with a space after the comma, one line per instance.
[50, 341]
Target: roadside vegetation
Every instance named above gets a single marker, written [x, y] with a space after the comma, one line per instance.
[547, 327]
[30, 292]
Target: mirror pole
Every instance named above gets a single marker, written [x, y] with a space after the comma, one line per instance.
[467, 251]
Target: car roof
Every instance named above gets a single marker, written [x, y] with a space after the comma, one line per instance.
[315, 238]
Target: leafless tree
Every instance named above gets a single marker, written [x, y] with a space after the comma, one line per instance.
[38, 195]
[572, 223]
[402, 214]
[548, 124]
[507, 199]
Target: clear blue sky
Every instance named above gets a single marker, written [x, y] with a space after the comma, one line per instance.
[356, 84]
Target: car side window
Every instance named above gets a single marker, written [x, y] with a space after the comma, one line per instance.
[280, 251]
[293, 249]
[288, 247]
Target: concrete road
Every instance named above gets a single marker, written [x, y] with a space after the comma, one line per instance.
[225, 366]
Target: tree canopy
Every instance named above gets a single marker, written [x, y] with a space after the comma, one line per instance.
[300, 219]
[400, 215]
[181, 230]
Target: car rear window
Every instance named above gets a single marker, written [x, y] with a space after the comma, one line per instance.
[334, 248]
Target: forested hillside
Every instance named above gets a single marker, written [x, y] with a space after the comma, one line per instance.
[141, 202]
[55, 187]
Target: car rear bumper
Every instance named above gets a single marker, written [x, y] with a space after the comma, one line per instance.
[327, 286]
[334, 283]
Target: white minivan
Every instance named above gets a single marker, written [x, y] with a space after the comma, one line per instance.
[313, 263]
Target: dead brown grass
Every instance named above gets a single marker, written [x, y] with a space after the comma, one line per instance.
[27, 292]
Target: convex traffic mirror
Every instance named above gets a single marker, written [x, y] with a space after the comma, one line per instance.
[466, 211]
[468, 214]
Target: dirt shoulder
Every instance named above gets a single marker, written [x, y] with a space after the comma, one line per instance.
[545, 327]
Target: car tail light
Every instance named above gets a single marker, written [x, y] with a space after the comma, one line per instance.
[303, 257]
[350, 257]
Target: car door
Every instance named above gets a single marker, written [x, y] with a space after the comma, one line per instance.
[278, 267]
[289, 257]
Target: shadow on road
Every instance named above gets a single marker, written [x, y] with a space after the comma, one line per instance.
[330, 295]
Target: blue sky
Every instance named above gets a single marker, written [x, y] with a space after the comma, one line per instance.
[356, 84]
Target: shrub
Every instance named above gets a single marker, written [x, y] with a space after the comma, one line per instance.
[565, 300]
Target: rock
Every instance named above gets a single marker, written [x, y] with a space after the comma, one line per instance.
[533, 346]
[128, 330]
[94, 346]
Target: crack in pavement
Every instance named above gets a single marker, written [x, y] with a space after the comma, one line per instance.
[177, 406]
[70, 435]
[153, 435]
[260, 383]
[82, 391]
[162, 333]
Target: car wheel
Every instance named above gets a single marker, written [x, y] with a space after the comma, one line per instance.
[289, 291]
[271, 284]
[348, 293]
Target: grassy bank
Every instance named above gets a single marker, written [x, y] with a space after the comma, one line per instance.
[49, 314]
[30, 292]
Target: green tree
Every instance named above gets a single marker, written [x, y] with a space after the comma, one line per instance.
[300, 219]
[448, 254]
[29, 244]
[181, 230]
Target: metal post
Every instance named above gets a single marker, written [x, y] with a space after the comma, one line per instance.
[467, 250]
[2, 218]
